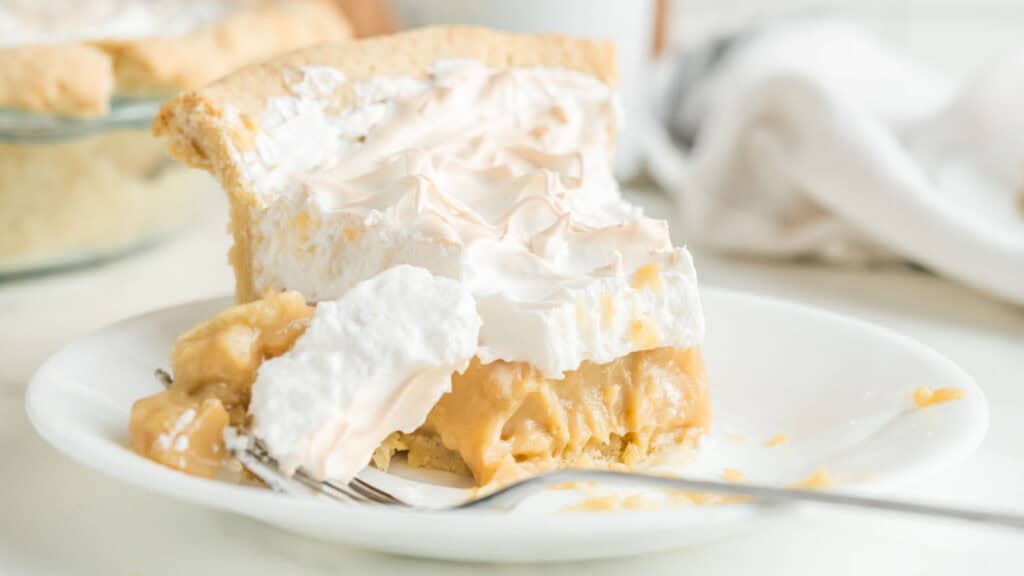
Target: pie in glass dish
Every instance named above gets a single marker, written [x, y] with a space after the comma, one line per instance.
[81, 177]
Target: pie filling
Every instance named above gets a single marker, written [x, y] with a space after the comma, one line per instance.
[499, 422]
[505, 419]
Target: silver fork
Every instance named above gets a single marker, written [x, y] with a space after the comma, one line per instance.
[256, 459]
[361, 492]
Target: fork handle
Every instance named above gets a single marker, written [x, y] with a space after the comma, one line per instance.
[514, 493]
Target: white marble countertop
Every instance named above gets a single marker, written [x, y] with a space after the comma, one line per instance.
[61, 518]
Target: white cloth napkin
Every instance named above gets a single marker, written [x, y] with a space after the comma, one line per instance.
[811, 139]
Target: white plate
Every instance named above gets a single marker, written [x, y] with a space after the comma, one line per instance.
[839, 389]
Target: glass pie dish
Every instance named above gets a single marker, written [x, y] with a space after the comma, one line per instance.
[81, 177]
[73, 190]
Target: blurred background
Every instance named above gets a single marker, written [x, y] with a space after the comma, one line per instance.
[834, 132]
[865, 156]
[953, 35]
[902, 156]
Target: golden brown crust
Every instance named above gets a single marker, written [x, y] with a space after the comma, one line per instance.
[207, 54]
[66, 79]
[79, 79]
[199, 133]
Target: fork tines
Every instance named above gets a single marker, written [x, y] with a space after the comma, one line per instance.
[356, 490]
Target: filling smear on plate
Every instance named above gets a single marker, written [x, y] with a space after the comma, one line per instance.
[432, 257]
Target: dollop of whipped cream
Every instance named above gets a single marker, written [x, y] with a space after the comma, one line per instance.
[498, 178]
[54, 21]
[372, 362]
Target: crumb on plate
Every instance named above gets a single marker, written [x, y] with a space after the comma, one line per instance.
[733, 475]
[925, 397]
[819, 480]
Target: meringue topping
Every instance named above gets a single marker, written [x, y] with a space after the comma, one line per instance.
[499, 178]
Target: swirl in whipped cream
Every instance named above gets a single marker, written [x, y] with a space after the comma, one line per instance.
[498, 178]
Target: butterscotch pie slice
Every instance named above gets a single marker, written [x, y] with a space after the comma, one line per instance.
[432, 256]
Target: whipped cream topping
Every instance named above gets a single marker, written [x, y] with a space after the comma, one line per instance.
[55, 21]
[498, 178]
[372, 362]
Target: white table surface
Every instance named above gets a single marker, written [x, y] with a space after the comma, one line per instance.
[57, 517]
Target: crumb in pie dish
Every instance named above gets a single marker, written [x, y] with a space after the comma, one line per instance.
[481, 298]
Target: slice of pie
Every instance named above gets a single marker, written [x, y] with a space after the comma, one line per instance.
[443, 161]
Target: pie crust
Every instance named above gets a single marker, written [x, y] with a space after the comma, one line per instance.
[80, 78]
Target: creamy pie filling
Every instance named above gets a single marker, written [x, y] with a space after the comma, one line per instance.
[505, 419]
[499, 422]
